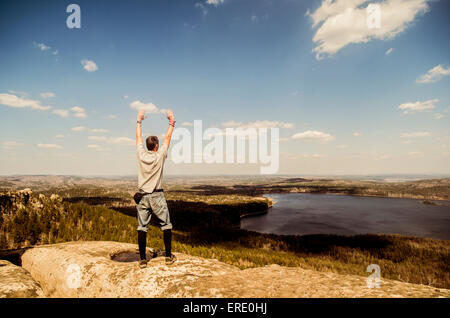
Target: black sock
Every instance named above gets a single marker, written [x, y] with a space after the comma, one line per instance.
[142, 242]
[168, 242]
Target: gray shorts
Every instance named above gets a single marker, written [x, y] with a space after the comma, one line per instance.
[153, 203]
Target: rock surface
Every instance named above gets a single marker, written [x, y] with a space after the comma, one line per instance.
[15, 282]
[85, 269]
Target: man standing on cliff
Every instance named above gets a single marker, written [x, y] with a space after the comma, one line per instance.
[150, 198]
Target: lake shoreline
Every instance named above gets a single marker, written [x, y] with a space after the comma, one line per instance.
[308, 214]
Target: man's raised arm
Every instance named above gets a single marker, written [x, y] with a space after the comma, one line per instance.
[169, 131]
[140, 117]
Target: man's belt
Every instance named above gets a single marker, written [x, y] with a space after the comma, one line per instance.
[139, 195]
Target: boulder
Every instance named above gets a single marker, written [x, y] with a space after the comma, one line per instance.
[85, 269]
[91, 269]
[16, 282]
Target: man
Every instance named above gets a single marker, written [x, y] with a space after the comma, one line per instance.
[152, 201]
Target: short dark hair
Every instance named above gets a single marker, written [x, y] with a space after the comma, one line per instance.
[152, 142]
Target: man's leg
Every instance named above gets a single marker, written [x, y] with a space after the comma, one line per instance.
[144, 215]
[167, 235]
[159, 207]
[142, 242]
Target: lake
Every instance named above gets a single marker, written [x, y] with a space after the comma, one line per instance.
[306, 213]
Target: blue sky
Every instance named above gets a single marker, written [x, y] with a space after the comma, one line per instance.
[356, 100]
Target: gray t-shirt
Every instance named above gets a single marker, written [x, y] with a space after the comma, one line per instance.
[150, 167]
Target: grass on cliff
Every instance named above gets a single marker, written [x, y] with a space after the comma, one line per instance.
[408, 259]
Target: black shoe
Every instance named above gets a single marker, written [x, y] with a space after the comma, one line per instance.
[170, 259]
[143, 263]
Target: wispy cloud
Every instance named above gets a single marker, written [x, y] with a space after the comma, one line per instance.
[47, 95]
[61, 112]
[79, 112]
[42, 46]
[148, 107]
[356, 134]
[389, 51]
[258, 124]
[411, 108]
[125, 141]
[204, 6]
[49, 146]
[94, 130]
[314, 135]
[215, 2]
[343, 22]
[434, 75]
[95, 147]
[97, 138]
[20, 102]
[89, 65]
[416, 134]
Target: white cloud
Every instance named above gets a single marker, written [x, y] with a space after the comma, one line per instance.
[55, 52]
[343, 22]
[122, 141]
[342, 146]
[97, 138]
[438, 116]
[79, 112]
[416, 134]
[148, 107]
[80, 115]
[61, 112]
[434, 75]
[99, 130]
[49, 146]
[42, 46]
[59, 136]
[89, 66]
[202, 7]
[79, 128]
[389, 51]
[20, 102]
[411, 108]
[125, 96]
[356, 134]
[94, 130]
[112, 117]
[314, 135]
[214, 2]
[47, 95]
[258, 124]
[77, 109]
[95, 147]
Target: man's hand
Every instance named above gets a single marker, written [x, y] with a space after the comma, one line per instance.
[169, 114]
[141, 115]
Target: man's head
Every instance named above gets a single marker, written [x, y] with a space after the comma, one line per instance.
[152, 143]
